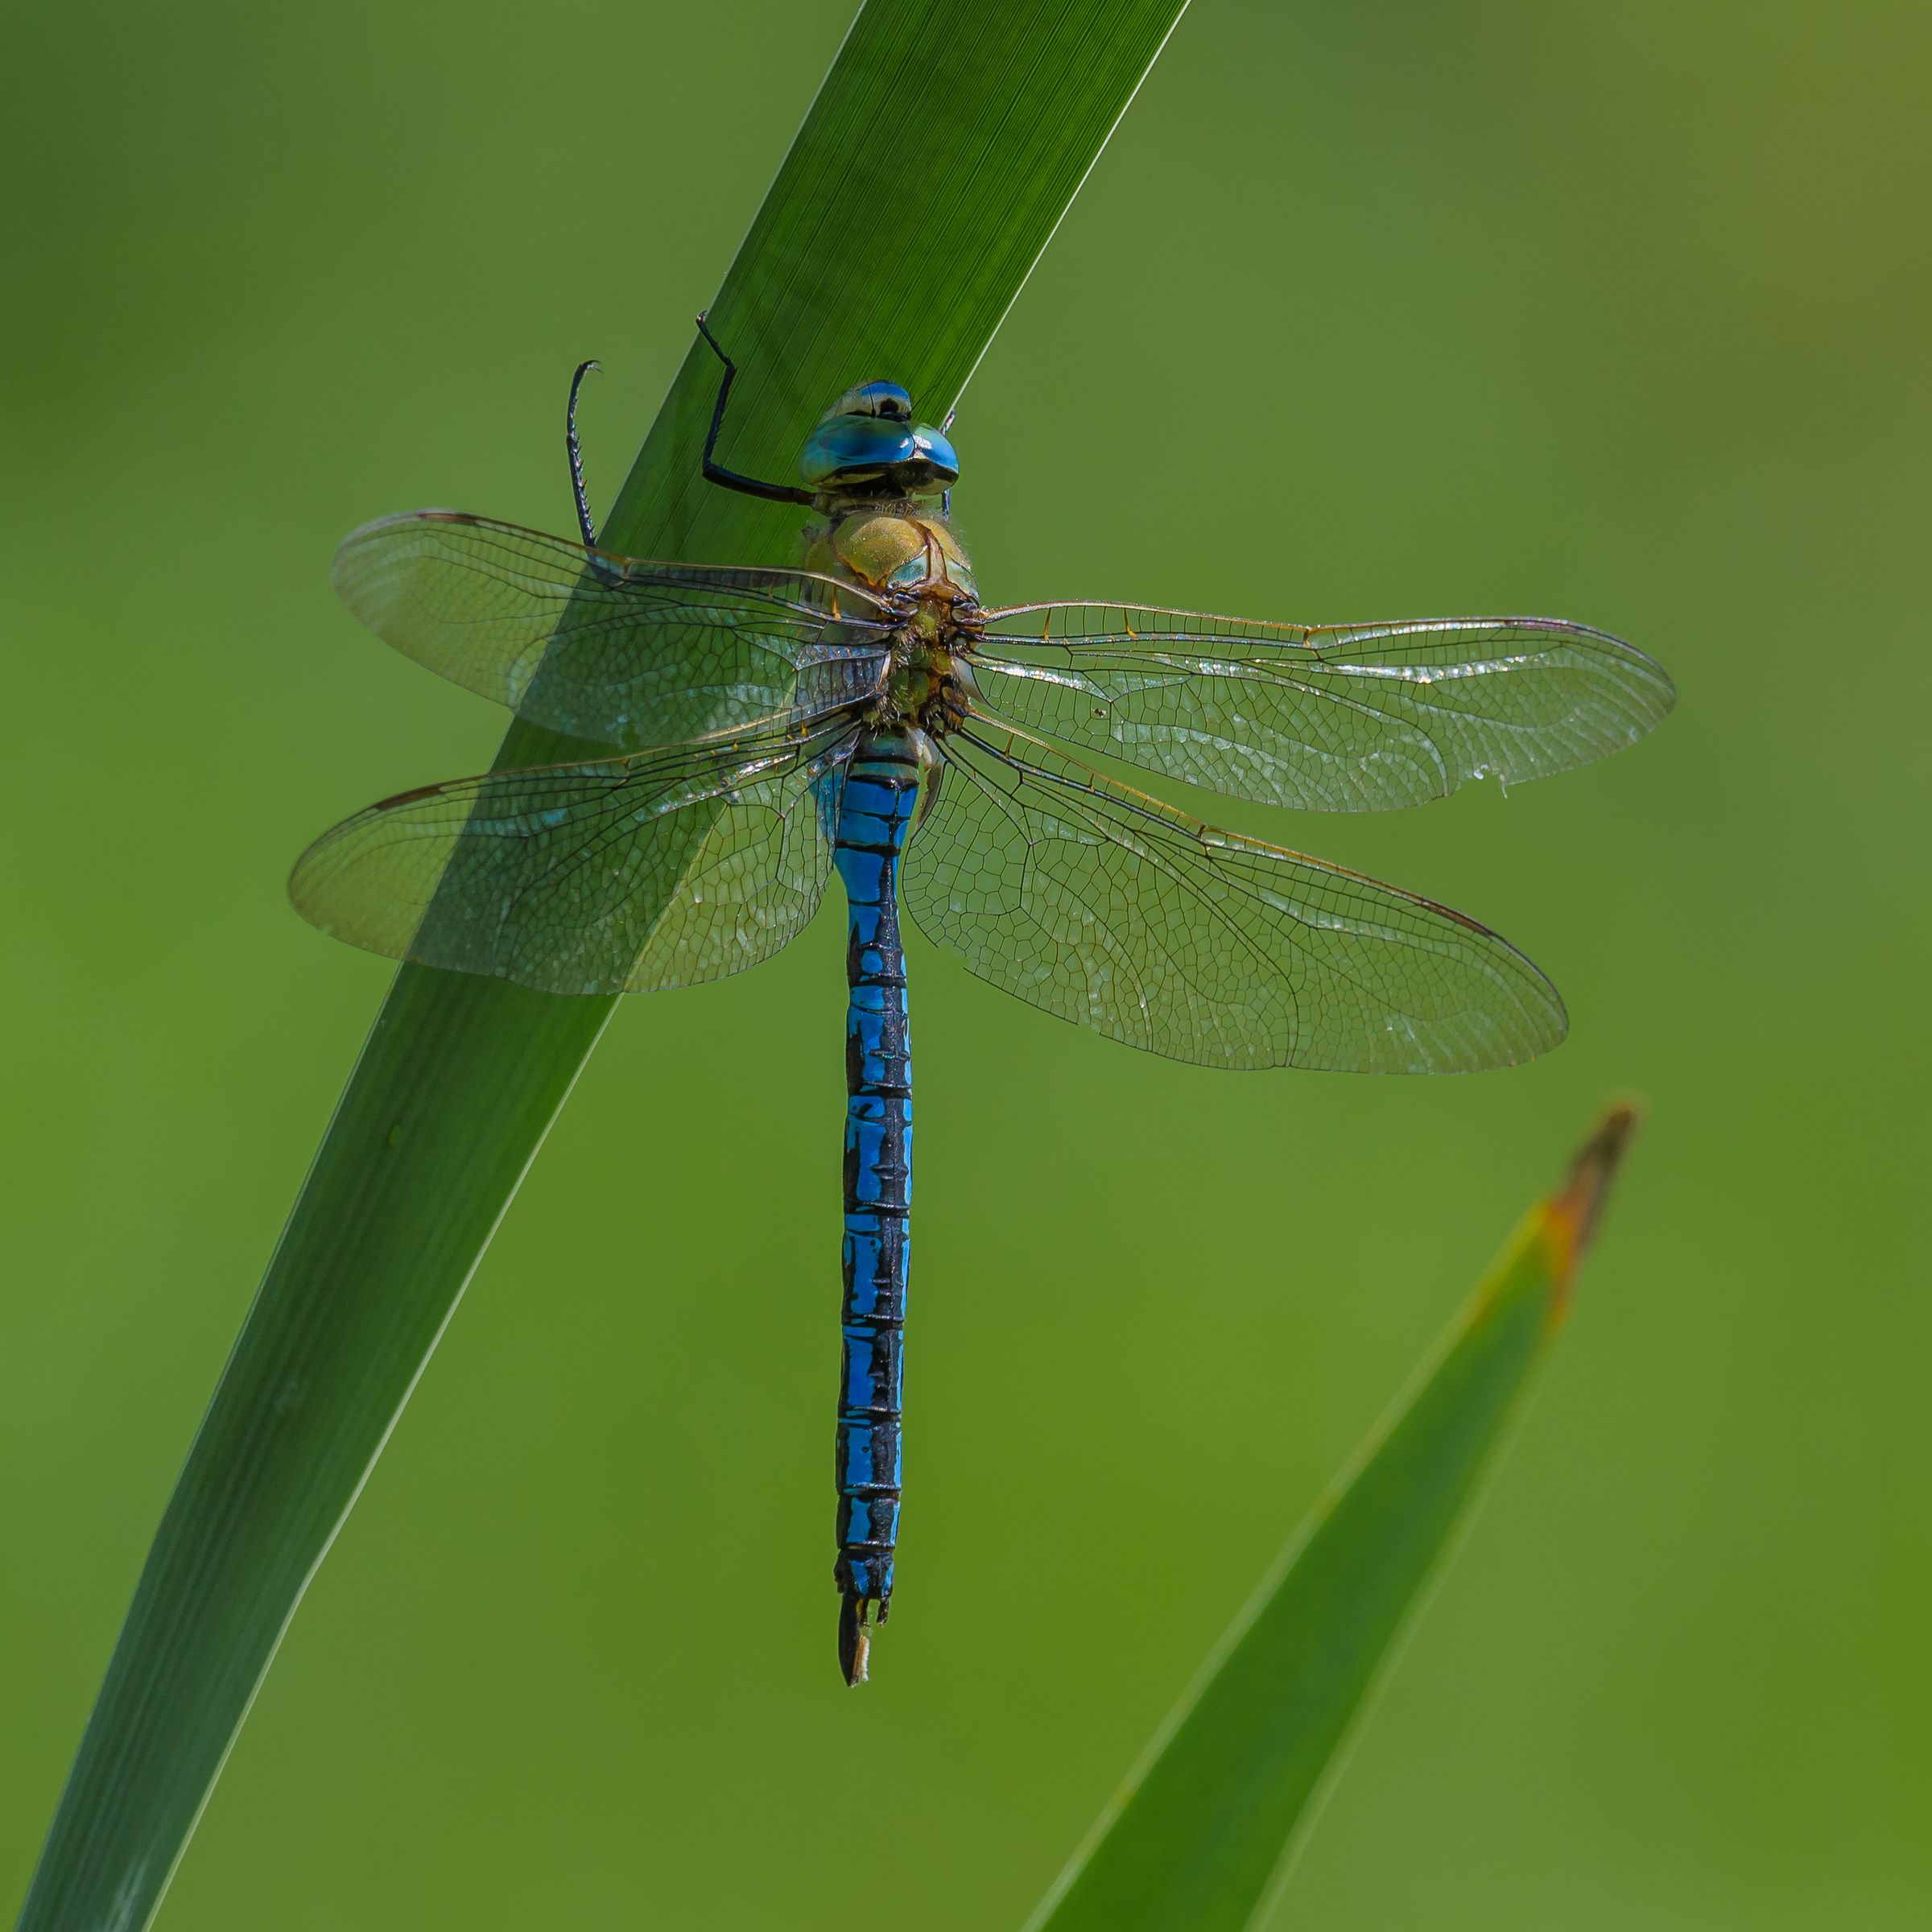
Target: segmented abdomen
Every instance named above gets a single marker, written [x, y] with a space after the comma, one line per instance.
[880, 792]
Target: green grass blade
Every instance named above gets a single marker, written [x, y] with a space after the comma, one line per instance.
[1193, 1841]
[859, 263]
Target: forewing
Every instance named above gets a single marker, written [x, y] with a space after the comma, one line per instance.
[1112, 909]
[623, 876]
[1359, 718]
[611, 649]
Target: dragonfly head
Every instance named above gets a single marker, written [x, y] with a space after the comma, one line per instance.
[869, 438]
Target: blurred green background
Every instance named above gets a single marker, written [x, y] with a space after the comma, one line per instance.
[1369, 310]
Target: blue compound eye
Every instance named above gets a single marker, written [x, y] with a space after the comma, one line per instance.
[937, 448]
[854, 449]
[851, 450]
[868, 438]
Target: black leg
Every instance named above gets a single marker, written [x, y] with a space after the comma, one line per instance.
[577, 458]
[716, 472]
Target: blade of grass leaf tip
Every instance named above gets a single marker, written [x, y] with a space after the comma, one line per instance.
[461, 1077]
[1195, 1841]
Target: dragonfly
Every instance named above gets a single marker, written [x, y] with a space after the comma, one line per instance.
[865, 713]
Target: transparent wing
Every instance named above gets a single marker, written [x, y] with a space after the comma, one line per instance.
[1359, 718]
[1114, 911]
[614, 650]
[661, 869]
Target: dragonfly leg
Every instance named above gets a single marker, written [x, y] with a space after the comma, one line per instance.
[716, 472]
[571, 446]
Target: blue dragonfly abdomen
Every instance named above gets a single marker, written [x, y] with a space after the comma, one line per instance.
[876, 809]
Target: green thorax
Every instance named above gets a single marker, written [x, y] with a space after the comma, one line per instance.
[910, 552]
[906, 547]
